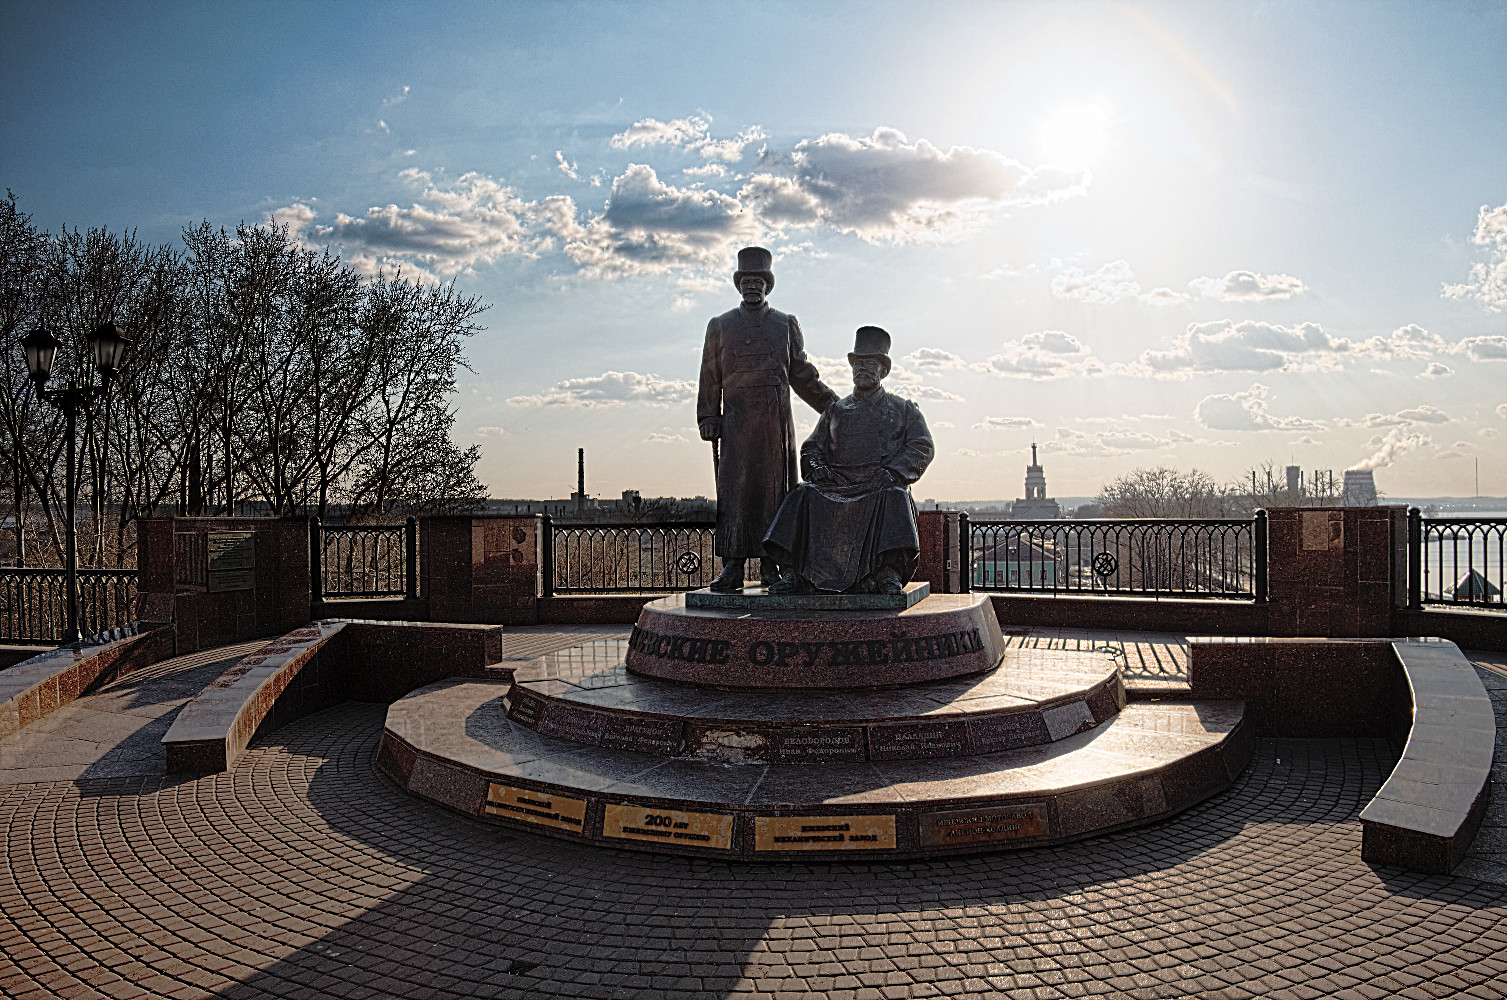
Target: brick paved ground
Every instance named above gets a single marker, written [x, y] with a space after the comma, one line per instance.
[303, 872]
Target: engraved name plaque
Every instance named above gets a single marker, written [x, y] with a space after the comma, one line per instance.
[232, 561]
[634, 822]
[992, 825]
[824, 833]
[539, 808]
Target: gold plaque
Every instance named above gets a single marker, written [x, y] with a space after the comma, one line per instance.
[539, 808]
[991, 825]
[669, 826]
[824, 833]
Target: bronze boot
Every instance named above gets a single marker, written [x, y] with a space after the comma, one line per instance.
[730, 580]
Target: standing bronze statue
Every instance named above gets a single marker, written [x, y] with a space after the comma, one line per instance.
[753, 357]
[852, 525]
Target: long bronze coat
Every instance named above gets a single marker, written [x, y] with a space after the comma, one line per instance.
[855, 513]
[749, 363]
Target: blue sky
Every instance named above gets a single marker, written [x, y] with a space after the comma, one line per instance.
[1207, 235]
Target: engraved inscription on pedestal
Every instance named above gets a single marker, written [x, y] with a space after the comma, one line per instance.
[578, 725]
[652, 823]
[813, 744]
[660, 736]
[526, 708]
[824, 833]
[992, 825]
[232, 561]
[540, 808]
[911, 740]
[1007, 730]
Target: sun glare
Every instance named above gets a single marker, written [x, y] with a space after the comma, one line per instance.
[1074, 136]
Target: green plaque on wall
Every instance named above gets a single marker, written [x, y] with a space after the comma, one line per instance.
[232, 561]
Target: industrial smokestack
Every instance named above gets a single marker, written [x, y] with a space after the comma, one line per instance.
[581, 472]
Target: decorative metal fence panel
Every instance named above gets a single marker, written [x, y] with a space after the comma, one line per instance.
[631, 558]
[1457, 560]
[33, 609]
[1188, 558]
[370, 560]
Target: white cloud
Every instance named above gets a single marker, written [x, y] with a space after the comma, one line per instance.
[1391, 446]
[382, 126]
[917, 393]
[1246, 411]
[885, 188]
[1110, 443]
[1436, 370]
[1487, 283]
[728, 150]
[1249, 347]
[933, 359]
[652, 132]
[706, 170]
[1045, 354]
[1490, 348]
[388, 102]
[611, 389]
[989, 422]
[649, 227]
[566, 167]
[657, 438]
[1108, 284]
[1502, 411]
[1248, 286]
[1411, 341]
[941, 425]
[483, 432]
[1424, 414]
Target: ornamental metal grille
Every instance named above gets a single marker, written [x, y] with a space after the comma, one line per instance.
[634, 558]
[32, 608]
[368, 560]
[1458, 560]
[1172, 557]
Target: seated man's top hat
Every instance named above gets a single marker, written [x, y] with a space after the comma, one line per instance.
[871, 342]
[756, 261]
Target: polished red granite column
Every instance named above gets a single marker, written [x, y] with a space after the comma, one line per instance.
[1336, 571]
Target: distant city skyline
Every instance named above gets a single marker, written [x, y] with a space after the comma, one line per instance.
[1182, 234]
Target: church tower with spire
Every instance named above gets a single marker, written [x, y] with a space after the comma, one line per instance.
[1035, 505]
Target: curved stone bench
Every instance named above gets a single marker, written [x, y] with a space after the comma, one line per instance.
[1426, 814]
[1421, 693]
[38, 686]
[315, 667]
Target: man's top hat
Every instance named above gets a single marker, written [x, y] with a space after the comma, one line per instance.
[755, 260]
[871, 342]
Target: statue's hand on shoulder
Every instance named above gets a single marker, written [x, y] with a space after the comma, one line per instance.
[711, 428]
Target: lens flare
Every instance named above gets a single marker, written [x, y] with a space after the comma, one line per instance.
[1074, 136]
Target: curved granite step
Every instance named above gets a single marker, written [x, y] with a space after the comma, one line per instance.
[451, 743]
[586, 695]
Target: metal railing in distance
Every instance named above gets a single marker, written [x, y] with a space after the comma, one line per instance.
[368, 560]
[1457, 560]
[1171, 557]
[632, 558]
[32, 608]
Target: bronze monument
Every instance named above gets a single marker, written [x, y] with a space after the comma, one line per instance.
[752, 358]
[851, 526]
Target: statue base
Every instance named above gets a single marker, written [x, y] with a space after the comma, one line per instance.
[760, 599]
[804, 648]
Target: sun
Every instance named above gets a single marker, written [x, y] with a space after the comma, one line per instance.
[1074, 136]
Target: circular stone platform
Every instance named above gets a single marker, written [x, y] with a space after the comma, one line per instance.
[584, 694]
[790, 648]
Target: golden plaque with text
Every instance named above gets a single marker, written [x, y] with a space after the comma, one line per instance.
[539, 808]
[651, 823]
[824, 833]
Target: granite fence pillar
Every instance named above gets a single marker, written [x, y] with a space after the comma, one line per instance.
[482, 570]
[941, 551]
[1336, 571]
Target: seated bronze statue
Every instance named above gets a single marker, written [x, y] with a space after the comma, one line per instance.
[851, 526]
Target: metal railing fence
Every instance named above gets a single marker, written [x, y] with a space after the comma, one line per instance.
[367, 560]
[33, 609]
[628, 558]
[1210, 558]
[1457, 560]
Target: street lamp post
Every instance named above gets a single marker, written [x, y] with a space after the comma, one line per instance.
[108, 343]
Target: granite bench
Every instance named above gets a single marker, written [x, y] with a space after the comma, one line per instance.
[38, 686]
[1423, 694]
[314, 667]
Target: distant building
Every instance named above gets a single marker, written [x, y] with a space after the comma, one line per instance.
[1015, 562]
[1360, 489]
[1035, 505]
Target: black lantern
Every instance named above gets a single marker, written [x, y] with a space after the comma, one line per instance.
[41, 349]
[110, 344]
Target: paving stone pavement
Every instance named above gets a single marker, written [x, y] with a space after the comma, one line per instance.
[304, 873]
